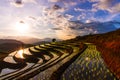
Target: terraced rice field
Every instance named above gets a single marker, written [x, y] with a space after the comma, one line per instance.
[88, 66]
[42, 61]
[33, 62]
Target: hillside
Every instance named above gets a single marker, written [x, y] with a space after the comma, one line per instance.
[9, 45]
[109, 45]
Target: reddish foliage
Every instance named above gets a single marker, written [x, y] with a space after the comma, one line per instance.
[111, 55]
[109, 45]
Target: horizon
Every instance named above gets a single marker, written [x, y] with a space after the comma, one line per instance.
[51, 18]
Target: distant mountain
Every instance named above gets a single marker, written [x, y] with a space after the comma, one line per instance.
[9, 45]
[28, 40]
[94, 27]
[2, 41]
[24, 39]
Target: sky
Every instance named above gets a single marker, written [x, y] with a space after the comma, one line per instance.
[51, 18]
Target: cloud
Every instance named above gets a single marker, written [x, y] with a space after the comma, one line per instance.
[84, 10]
[56, 7]
[65, 34]
[59, 21]
[56, 28]
[21, 22]
[89, 21]
[71, 2]
[53, 10]
[30, 1]
[81, 16]
[79, 9]
[91, 26]
[31, 17]
[61, 25]
[93, 0]
[65, 2]
[116, 8]
[17, 3]
[108, 5]
[53, 0]
[68, 16]
[85, 13]
[20, 3]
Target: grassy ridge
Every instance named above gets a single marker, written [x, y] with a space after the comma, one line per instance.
[109, 45]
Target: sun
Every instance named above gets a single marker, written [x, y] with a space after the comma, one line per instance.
[21, 27]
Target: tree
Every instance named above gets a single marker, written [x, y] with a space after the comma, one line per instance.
[53, 40]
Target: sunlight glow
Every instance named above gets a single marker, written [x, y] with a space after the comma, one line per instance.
[22, 27]
[20, 52]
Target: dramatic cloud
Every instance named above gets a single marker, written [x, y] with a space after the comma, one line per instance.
[60, 22]
[54, 17]
[64, 29]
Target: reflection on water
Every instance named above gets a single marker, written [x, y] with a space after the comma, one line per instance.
[27, 52]
[18, 61]
[8, 64]
[20, 53]
[28, 61]
[6, 70]
[9, 60]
